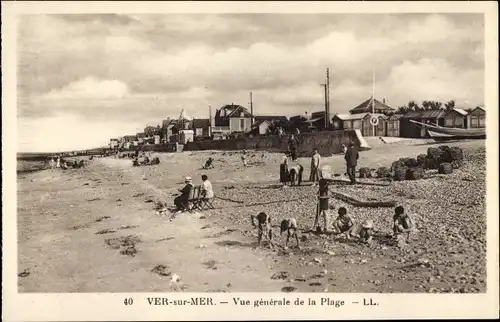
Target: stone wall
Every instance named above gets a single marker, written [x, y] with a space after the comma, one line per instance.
[327, 143]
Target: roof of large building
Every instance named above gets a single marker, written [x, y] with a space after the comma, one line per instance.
[460, 111]
[429, 114]
[360, 116]
[200, 123]
[231, 110]
[366, 106]
[270, 118]
[479, 108]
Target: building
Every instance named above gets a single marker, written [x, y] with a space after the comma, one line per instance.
[372, 105]
[299, 122]
[360, 121]
[317, 121]
[264, 122]
[201, 128]
[392, 125]
[130, 138]
[140, 137]
[477, 117]
[113, 143]
[232, 118]
[456, 118]
[271, 118]
[261, 127]
[408, 129]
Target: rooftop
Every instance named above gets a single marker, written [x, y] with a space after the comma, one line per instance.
[429, 114]
[366, 106]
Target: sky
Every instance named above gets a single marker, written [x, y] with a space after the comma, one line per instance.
[83, 79]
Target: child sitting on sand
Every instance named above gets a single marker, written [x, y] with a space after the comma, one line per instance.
[363, 231]
[209, 163]
[343, 223]
[402, 223]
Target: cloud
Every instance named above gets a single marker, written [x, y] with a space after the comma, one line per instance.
[436, 79]
[88, 88]
[65, 132]
[138, 68]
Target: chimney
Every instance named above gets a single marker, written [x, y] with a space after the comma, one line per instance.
[383, 100]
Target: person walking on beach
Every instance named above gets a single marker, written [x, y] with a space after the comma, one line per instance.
[315, 163]
[52, 163]
[284, 169]
[351, 158]
[244, 157]
[292, 145]
[58, 162]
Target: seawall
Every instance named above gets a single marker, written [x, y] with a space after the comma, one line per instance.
[327, 142]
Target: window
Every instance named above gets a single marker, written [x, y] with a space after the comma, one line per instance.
[482, 121]
[474, 121]
[242, 124]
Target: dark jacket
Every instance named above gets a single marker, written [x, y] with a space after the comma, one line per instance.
[351, 157]
[185, 191]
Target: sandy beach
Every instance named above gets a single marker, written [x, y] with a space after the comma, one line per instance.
[76, 228]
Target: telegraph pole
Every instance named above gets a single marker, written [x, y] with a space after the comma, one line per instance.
[209, 120]
[373, 99]
[327, 114]
[251, 110]
[326, 104]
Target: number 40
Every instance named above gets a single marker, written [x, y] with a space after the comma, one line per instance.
[129, 301]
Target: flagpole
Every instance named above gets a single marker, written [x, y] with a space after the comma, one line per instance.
[373, 98]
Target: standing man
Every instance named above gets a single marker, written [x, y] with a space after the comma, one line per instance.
[315, 163]
[351, 158]
[292, 145]
[244, 157]
[284, 169]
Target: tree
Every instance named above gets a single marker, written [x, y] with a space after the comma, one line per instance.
[152, 130]
[431, 105]
[403, 109]
[435, 105]
[413, 106]
[450, 105]
[275, 124]
[426, 105]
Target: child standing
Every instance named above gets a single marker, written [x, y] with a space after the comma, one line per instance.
[244, 158]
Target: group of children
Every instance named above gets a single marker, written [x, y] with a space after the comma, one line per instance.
[343, 224]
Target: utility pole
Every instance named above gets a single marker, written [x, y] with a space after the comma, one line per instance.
[327, 114]
[373, 99]
[251, 110]
[326, 104]
[209, 120]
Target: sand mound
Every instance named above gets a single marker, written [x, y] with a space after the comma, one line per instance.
[119, 163]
